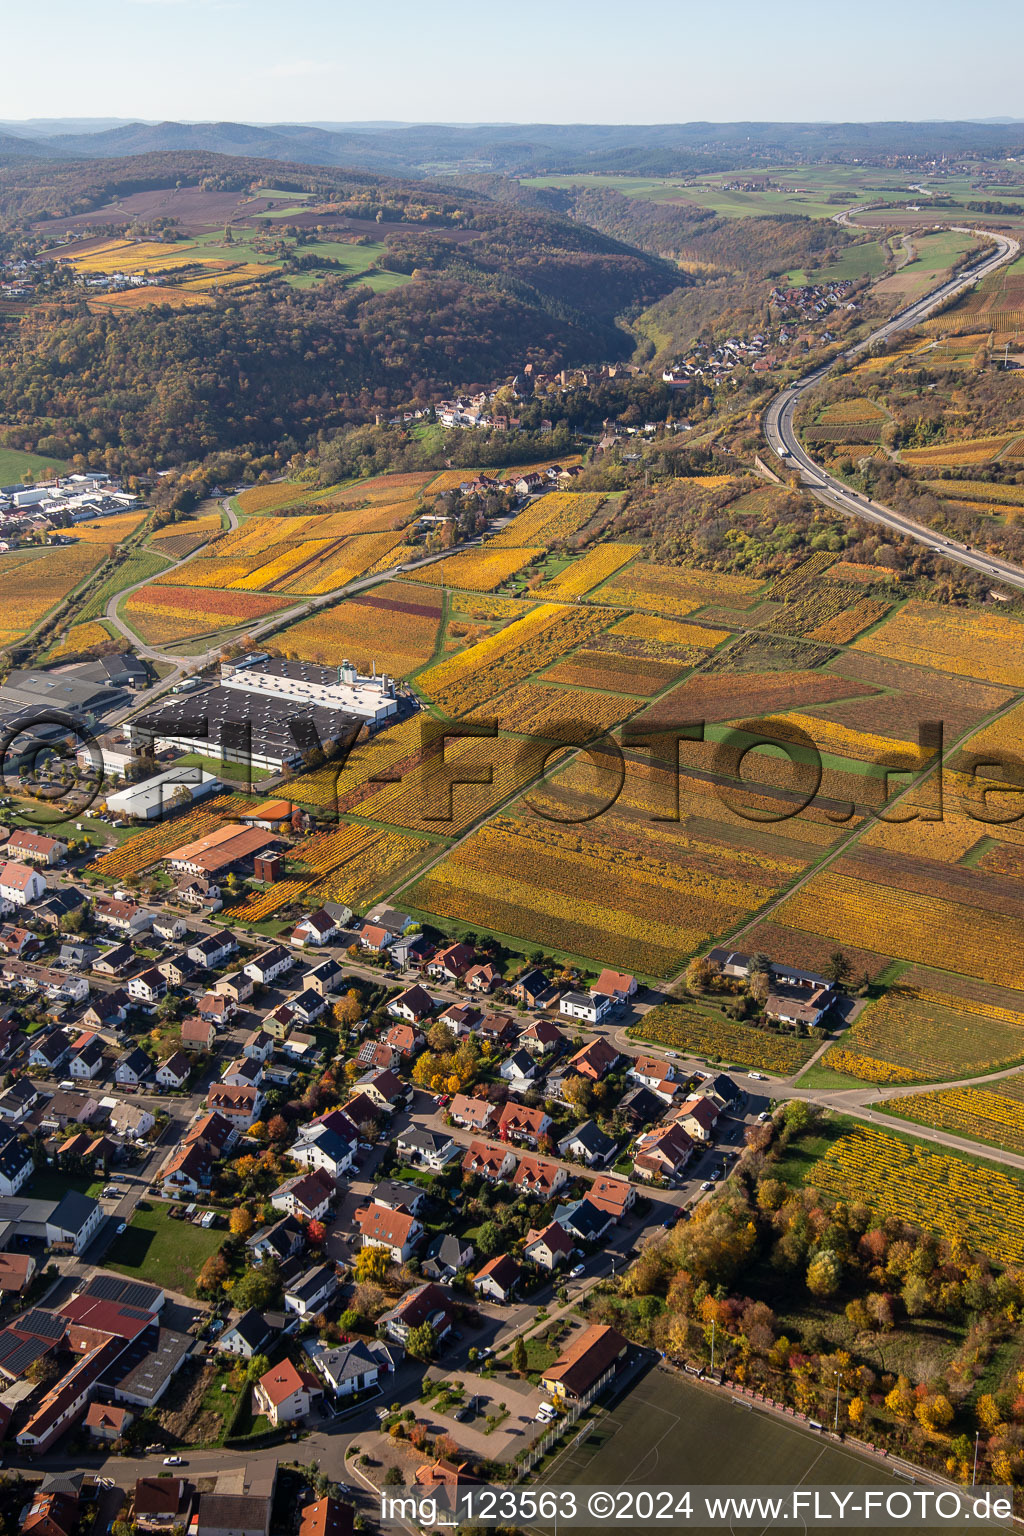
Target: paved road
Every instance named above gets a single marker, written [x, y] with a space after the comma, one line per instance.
[780, 431]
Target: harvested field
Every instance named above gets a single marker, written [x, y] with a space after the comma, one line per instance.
[968, 642]
[676, 590]
[809, 951]
[393, 627]
[747, 695]
[162, 614]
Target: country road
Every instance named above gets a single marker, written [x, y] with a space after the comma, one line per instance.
[780, 431]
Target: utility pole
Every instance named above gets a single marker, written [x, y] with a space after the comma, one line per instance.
[712, 1346]
[974, 1474]
[839, 1377]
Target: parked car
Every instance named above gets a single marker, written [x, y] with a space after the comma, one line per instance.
[707, 1185]
[574, 1274]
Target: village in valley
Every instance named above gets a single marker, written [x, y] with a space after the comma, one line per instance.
[359, 1180]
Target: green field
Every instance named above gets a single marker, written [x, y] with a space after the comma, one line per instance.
[162, 1251]
[866, 260]
[15, 464]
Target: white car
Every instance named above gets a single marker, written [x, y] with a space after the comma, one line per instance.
[122, 1226]
[574, 1274]
[172, 1461]
[707, 1185]
[760, 1077]
[763, 1116]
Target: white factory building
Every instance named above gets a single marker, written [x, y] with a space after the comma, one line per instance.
[303, 682]
[153, 798]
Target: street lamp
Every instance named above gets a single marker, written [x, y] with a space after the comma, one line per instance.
[838, 1376]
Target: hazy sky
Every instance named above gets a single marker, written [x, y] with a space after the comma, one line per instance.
[526, 61]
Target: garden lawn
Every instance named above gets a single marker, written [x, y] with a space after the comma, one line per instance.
[162, 1251]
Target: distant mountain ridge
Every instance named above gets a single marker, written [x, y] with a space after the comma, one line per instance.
[512, 148]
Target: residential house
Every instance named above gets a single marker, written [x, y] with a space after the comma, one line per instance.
[16, 1164]
[386, 1089]
[461, 1018]
[115, 961]
[698, 1118]
[311, 1293]
[48, 1052]
[327, 1148]
[482, 978]
[616, 985]
[259, 1046]
[474, 1114]
[50, 1513]
[123, 916]
[316, 929]
[492, 1163]
[414, 1005]
[132, 1121]
[375, 939]
[531, 988]
[198, 892]
[160, 1503]
[497, 1280]
[174, 1072]
[616, 1196]
[428, 1304]
[588, 1362]
[542, 1036]
[64, 1108]
[232, 1514]
[279, 1242]
[594, 1060]
[590, 1007]
[187, 1172]
[106, 1423]
[451, 963]
[216, 1008]
[447, 1255]
[537, 1176]
[20, 943]
[197, 1034]
[18, 1101]
[36, 848]
[243, 1072]
[285, 1394]
[410, 950]
[133, 1068]
[662, 1153]
[549, 1247]
[169, 928]
[326, 1517]
[309, 1195]
[798, 1005]
[178, 971]
[325, 978]
[587, 1144]
[518, 1068]
[347, 1368]
[239, 1105]
[497, 1028]
[213, 950]
[378, 1055]
[270, 965]
[16, 1272]
[521, 1124]
[395, 1230]
[308, 1006]
[87, 1057]
[427, 1149]
[246, 1336]
[20, 884]
[236, 985]
[584, 1221]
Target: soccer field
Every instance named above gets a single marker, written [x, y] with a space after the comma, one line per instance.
[666, 1431]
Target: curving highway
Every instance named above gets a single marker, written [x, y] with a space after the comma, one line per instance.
[780, 430]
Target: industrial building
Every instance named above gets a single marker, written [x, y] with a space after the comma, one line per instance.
[270, 713]
[153, 798]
